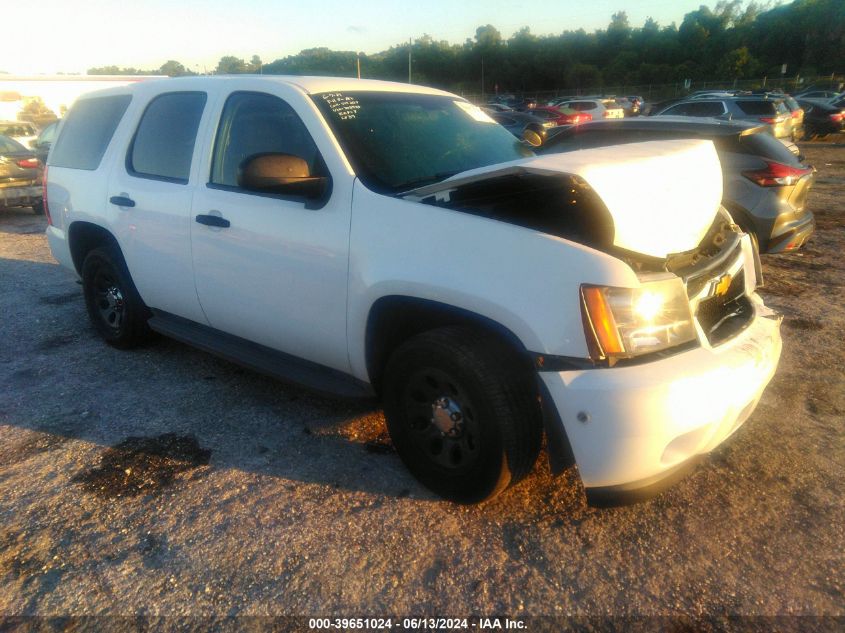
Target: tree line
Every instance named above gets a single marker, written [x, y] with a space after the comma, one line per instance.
[732, 40]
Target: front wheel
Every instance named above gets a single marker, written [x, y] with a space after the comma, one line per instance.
[462, 411]
[114, 306]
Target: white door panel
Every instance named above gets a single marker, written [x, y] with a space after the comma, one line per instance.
[155, 232]
[277, 274]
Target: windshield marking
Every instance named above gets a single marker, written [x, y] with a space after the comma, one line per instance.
[344, 106]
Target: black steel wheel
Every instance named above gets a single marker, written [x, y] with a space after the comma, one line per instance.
[114, 307]
[462, 411]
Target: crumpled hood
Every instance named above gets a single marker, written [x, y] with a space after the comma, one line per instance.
[662, 195]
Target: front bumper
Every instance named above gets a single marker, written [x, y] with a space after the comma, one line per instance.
[20, 196]
[631, 429]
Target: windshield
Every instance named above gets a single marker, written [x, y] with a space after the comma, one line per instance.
[400, 141]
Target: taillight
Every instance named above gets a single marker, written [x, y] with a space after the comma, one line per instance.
[29, 163]
[768, 119]
[44, 197]
[797, 113]
[836, 118]
[776, 175]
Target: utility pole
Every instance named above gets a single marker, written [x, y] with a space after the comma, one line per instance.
[409, 60]
[358, 56]
[482, 79]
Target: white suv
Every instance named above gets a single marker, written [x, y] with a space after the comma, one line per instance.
[370, 238]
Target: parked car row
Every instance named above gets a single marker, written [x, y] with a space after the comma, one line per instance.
[783, 113]
[773, 111]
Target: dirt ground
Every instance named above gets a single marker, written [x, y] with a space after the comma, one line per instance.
[164, 481]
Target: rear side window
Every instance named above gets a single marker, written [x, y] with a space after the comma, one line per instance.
[697, 108]
[164, 142]
[48, 134]
[545, 114]
[10, 145]
[87, 131]
[767, 146]
[757, 107]
[503, 120]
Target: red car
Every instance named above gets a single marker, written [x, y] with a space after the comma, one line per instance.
[562, 116]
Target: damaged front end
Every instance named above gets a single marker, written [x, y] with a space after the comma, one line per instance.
[695, 295]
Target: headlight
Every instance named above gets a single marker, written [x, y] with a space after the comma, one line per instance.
[627, 322]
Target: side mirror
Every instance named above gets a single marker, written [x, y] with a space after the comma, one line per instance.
[534, 134]
[281, 173]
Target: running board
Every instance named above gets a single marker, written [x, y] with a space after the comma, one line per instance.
[264, 360]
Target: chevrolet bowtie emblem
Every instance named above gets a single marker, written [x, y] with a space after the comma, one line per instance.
[722, 285]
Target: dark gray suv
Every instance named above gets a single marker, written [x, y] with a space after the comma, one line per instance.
[765, 185]
[770, 111]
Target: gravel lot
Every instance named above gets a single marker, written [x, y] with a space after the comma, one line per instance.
[167, 482]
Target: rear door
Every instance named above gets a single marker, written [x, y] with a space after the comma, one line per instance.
[152, 185]
[276, 273]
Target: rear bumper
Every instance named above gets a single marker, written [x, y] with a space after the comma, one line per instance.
[792, 235]
[634, 430]
[20, 196]
[57, 239]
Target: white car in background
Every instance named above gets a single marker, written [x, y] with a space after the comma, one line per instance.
[374, 238]
[598, 108]
[21, 131]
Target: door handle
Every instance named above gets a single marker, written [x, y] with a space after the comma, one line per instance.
[213, 220]
[122, 201]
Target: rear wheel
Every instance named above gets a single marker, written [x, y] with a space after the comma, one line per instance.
[114, 306]
[462, 412]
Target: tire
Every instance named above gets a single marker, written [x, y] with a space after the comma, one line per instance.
[114, 306]
[462, 412]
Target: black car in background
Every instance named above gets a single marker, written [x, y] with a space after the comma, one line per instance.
[515, 122]
[20, 176]
[765, 185]
[821, 118]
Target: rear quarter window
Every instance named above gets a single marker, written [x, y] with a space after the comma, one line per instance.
[164, 141]
[87, 131]
[10, 145]
[757, 107]
[503, 120]
[767, 146]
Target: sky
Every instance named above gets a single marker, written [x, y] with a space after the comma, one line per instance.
[71, 36]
